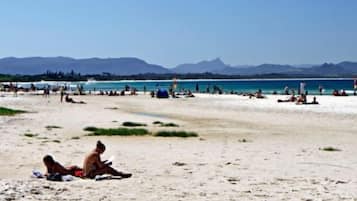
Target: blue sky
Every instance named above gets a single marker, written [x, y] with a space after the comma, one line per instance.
[171, 32]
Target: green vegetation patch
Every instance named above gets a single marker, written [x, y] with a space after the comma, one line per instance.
[133, 124]
[10, 112]
[50, 127]
[112, 108]
[162, 124]
[175, 134]
[244, 140]
[329, 149]
[169, 125]
[116, 131]
[90, 128]
[30, 135]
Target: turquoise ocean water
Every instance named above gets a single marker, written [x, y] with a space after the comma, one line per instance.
[267, 86]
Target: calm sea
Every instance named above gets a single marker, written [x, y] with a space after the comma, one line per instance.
[267, 86]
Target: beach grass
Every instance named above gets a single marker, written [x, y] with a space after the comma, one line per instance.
[10, 112]
[116, 131]
[30, 135]
[169, 125]
[183, 134]
[90, 128]
[244, 140]
[133, 124]
[112, 108]
[330, 149]
[50, 127]
[162, 124]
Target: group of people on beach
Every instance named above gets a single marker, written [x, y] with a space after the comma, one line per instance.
[215, 89]
[92, 166]
[302, 98]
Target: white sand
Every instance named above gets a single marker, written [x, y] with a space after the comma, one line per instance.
[280, 161]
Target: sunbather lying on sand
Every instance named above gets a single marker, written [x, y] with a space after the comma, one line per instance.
[70, 100]
[93, 165]
[314, 102]
[303, 101]
[54, 167]
[291, 99]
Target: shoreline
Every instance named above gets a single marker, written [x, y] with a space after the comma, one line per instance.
[185, 80]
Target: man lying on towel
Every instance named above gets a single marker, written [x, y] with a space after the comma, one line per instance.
[93, 165]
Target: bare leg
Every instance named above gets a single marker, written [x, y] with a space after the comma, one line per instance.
[109, 170]
[114, 172]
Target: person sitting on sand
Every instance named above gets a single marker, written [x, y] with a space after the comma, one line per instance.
[152, 94]
[301, 99]
[259, 94]
[54, 167]
[94, 166]
[190, 94]
[335, 92]
[314, 101]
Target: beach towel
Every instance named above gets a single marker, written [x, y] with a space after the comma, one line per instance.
[106, 177]
[37, 174]
[59, 177]
[54, 177]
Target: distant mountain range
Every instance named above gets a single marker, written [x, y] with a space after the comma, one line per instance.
[38, 65]
[133, 66]
[217, 66]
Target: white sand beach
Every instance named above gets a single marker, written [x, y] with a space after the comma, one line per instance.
[247, 149]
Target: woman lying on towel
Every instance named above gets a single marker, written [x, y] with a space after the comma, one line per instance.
[54, 167]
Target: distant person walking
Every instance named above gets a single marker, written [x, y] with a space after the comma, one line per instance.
[286, 90]
[15, 91]
[321, 89]
[302, 88]
[46, 91]
[197, 88]
[355, 87]
[62, 93]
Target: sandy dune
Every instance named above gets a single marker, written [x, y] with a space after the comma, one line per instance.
[280, 159]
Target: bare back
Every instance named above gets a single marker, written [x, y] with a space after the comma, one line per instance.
[91, 163]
